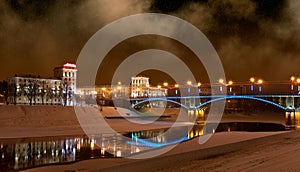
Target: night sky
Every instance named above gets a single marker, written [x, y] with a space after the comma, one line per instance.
[253, 37]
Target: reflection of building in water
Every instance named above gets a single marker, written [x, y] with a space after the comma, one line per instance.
[32, 154]
[46, 152]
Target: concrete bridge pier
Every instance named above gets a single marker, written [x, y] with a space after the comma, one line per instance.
[190, 102]
[290, 102]
[290, 119]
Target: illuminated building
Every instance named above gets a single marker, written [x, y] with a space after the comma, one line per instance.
[32, 90]
[68, 74]
[139, 86]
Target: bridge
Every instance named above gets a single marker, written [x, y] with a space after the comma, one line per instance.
[281, 95]
[284, 102]
[197, 104]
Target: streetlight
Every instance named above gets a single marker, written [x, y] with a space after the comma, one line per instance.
[176, 86]
[298, 82]
[221, 81]
[199, 89]
[292, 78]
[260, 82]
[230, 88]
[252, 80]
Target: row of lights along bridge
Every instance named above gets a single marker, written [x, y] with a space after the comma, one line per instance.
[253, 86]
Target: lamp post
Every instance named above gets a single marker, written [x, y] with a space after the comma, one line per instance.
[298, 82]
[252, 80]
[176, 88]
[199, 89]
[230, 86]
[292, 79]
[189, 83]
[260, 82]
[221, 82]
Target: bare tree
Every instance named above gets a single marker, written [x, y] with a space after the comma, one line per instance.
[66, 93]
[42, 91]
[31, 90]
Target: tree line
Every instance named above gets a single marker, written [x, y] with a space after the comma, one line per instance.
[35, 89]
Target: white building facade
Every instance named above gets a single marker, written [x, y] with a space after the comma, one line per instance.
[140, 87]
[44, 91]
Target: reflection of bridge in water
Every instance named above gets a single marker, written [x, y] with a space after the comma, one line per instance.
[289, 103]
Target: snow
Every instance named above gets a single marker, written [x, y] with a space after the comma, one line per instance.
[227, 151]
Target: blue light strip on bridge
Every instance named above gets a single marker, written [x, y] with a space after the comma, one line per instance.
[215, 99]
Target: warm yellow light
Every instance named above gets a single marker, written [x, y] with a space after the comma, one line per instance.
[189, 82]
[260, 81]
[252, 79]
[159, 87]
[298, 80]
[119, 83]
[199, 84]
[292, 78]
[230, 83]
[176, 85]
[119, 87]
[103, 89]
[221, 81]
[138, 89]
[165, 84]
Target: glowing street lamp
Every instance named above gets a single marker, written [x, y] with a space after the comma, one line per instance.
[230, 88]
[260, 82]
[293, 78]
[298, 82]
[176, 86]
[221, 81]
[252, 80]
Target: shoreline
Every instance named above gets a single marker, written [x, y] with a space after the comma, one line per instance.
[25, 122]
[172, 158]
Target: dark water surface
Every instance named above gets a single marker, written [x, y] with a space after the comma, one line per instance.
[18, 154]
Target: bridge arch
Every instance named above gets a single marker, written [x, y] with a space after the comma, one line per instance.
[241, 97]
[161, 99]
